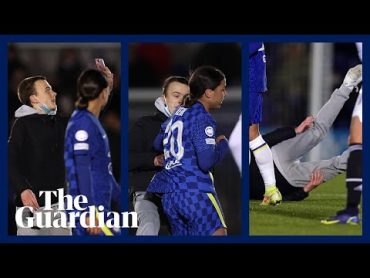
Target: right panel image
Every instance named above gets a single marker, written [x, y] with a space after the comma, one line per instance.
[305, 138]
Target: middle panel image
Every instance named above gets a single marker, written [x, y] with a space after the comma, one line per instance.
[184, 101]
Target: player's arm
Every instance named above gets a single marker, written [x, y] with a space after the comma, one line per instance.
[209, 149]
[209, 158]
[138, 158]
[222, 148]
[83, 147]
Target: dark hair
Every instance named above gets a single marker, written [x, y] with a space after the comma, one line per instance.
[203, 78]
[173, 78]
[89, 86]
[27, 88]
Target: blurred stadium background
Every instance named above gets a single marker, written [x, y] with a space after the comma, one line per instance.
[151, 63]
[300, 79]
[61, 64]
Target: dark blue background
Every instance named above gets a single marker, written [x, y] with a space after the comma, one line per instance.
[125, 39]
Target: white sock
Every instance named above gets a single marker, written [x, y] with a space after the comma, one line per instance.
[262, 154]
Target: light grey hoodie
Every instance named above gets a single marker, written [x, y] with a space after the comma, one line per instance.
[25, 110]
[162, 106]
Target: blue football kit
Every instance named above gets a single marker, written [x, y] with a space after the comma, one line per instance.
[88, 164]
[188, 140]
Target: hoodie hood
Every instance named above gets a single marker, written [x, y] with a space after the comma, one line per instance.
[161, 106]
[25, 110]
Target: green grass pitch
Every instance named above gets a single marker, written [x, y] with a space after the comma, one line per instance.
[303, 218]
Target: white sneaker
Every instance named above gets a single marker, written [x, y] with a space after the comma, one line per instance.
[353, 77]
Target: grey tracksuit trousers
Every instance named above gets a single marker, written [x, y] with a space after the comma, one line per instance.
[287, 153]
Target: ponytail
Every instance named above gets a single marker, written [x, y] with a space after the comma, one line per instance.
[189, 101]
[82, 103]
[90, 85]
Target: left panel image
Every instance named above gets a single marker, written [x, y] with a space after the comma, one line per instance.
[64, 138]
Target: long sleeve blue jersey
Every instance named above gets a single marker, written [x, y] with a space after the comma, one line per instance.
[88, 162]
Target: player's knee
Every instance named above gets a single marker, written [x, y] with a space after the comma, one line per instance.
[253, 132]
[355, 131]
